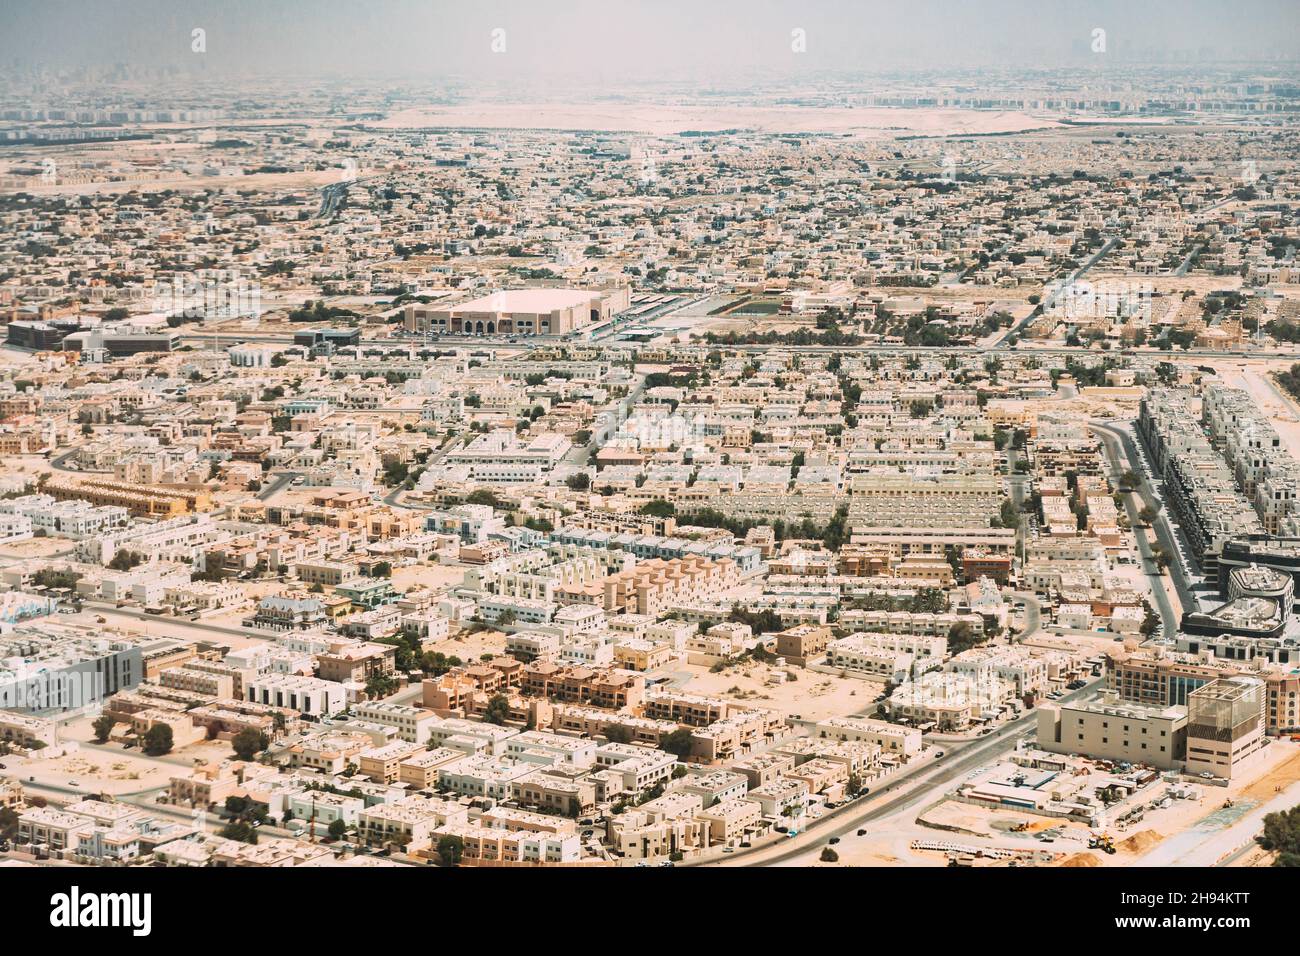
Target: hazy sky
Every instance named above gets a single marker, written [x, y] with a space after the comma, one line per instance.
[610, 40]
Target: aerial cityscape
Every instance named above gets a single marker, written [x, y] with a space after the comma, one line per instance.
[585, 450]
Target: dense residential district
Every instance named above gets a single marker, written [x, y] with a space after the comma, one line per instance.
[388, 486]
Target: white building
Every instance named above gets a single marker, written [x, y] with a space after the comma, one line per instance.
[311, 696]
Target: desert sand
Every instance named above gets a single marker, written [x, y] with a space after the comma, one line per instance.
[874, 122]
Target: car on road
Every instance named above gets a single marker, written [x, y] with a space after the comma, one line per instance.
[938, 754]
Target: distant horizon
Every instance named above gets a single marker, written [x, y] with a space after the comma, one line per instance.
[669, 41]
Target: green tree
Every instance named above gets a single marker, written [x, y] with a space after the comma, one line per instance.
[8, 823]
[337, 829]
[659, 508]
[677, 743]
[1161, 556]
[103, 726]
[125, 560]
[497, 710]
[158, 740]
[962, 637]
[1282, 836]
[249, 742]
[618, 734]
[450, 850]
[437, 663]
[240, 830]
[380, 685]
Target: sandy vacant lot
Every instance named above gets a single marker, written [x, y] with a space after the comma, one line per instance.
[1270, 399]
[94, 772]
[470, 648]
[297, 180]
[669, 120]
[35, 548]
[811, 695]
[110, 770]
[432, 577]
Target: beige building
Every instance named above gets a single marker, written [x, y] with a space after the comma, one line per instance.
[730, 820]
[890, 738]
[521, 312]
[381, 764]
[420, 770]
[1225, 725]
[407, 822]
[1112, 729]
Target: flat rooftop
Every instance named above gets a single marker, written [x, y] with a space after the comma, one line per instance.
[528, 300]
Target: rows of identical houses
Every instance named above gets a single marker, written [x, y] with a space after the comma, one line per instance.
[511, 389]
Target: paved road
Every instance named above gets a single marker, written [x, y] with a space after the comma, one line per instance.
[394, 498]
[576, 459]
[1188, 259]
[1003, 341]
[60, 463]
[452, 341]
[144, 800]
[109, 609]
[333, 194]
[274, 487]
[624, 321]
[1033, 614]
[1018, 485]
[1208, 843]
[1180, 573]
[1112, 441]
[958, 760]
